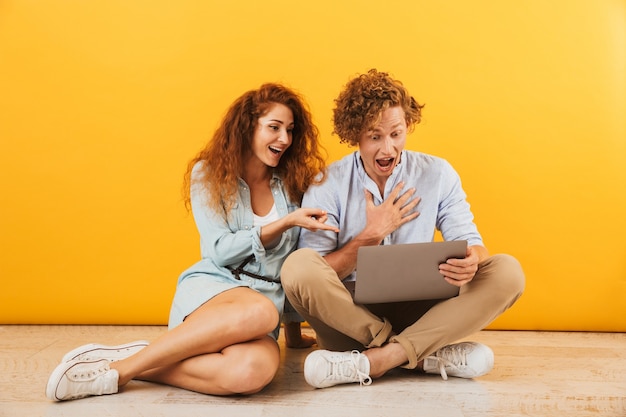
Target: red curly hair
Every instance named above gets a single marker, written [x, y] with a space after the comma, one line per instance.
[223, 157]
[360, 105]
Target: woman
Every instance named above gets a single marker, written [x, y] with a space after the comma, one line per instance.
[244, 189]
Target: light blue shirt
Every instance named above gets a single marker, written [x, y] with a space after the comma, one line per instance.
[229, 241]
[443, 205]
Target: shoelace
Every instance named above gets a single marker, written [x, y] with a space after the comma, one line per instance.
[454, 357]
[340, 368]
[87, 382]
[87, 376]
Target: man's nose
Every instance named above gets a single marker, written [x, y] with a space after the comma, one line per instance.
[387, 145]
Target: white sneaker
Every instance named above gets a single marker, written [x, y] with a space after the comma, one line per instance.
[463, 360]
[78, 379]
[95, 351]
[323, 368]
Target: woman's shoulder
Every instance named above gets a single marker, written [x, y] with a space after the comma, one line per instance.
[198, 170]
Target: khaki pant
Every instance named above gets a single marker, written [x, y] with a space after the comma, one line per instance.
[421, 327]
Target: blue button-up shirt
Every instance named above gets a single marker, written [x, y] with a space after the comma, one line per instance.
[443, 205]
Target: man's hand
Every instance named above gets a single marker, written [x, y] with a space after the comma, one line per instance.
[390, 214]
[459, 272]
[381, 221]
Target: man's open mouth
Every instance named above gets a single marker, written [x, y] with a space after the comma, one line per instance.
[385, 162]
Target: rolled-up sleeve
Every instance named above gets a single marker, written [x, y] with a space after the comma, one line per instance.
[322, 197]
[454, 218]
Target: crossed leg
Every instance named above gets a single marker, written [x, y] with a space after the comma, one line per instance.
[222, 348]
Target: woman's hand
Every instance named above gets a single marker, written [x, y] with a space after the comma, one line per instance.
[312, 219]
[309, 218]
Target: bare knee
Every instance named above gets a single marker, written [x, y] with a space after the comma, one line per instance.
[255, 375]
[255, 370]
[261, 313]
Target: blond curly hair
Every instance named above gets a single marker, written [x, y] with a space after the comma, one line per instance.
[360, 105]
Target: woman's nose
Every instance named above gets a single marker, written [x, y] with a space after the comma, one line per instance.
[285, 136]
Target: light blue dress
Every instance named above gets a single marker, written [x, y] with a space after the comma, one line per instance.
[225, 243]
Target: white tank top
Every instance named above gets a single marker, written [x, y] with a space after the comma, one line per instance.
[272, 216]
[267, 219]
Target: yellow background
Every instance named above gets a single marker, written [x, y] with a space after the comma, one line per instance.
[102, 103]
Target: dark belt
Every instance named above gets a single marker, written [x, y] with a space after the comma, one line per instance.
[240, 271]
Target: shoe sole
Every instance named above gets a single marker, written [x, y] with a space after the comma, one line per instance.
[115, 352]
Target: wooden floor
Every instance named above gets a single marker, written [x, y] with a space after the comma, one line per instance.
[536, 374]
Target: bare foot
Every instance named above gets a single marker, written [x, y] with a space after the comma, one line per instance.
[294, 337]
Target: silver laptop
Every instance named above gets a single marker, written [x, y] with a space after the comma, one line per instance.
[405, 272]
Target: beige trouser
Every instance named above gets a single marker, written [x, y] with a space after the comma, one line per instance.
[421, 327]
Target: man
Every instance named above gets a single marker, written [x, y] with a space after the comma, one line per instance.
[383, 194]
